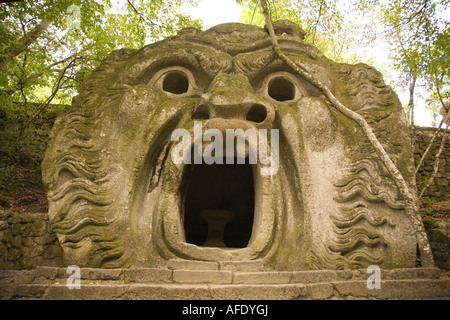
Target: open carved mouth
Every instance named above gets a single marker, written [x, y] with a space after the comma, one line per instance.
[210, 211]
[219, 204]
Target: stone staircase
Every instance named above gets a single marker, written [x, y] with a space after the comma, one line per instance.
[192, 280]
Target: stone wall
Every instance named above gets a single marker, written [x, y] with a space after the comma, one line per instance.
[439, 236]
[26, 241]
[440, 188]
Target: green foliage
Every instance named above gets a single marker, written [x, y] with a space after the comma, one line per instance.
[418, 34]
[427, 203]
[47, 49]
[428, 200]
[9, 179]
[44, 56]
[329, 24]
[16, 151]
[431, 209]
[422, 184]
[434, 104]
[21, 153]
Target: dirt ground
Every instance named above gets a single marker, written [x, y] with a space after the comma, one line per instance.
[29, 194]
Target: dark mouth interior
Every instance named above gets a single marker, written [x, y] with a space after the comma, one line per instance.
[219, 204]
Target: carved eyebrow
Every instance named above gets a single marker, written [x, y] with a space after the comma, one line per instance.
[252, 63]
[201, 59]
[213, 62]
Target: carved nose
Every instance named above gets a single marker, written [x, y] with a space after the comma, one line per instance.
[232, 97]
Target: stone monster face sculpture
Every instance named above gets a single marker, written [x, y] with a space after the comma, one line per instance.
[117, 198]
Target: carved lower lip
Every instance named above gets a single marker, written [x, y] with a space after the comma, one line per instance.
[173, 240]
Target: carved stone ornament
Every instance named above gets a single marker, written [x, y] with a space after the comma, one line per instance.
[118, 199]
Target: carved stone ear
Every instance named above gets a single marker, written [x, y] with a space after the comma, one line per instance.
[286, 27]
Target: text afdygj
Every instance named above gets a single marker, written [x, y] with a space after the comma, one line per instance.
[231, 309]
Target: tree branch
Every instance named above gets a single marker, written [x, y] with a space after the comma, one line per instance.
[445, 119]
[438, 91]
[420, 12]
[254, 12]
[55, 90]
[411, 205]
[412, 88]
[26, 41]
[436, 163]
[317, 22]
[144, 18]
[49, 67]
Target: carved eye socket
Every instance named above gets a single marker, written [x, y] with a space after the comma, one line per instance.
[281, 89]
[175, 82]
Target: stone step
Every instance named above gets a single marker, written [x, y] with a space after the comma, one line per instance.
[150, 275]
[353, 289]
[253, 265]
[51, 283]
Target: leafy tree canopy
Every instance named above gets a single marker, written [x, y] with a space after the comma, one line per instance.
[414, 32]
[48, 47]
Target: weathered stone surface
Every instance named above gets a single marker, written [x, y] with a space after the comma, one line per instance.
[103, 274]
[43, 273]
[11, 279]
[204, 276]
[148, 275]
[323, 201]
[168, 292]
[32, 291]
[262, 277]
[5, 214]
[26, 242]
[424, 273]
[112, 284]
[89, 292]
[192, 265]
[320, 291]
[439, 237]
[4, 225]
[257, 292]
[399, 289]
[314, 276]
[255, 265]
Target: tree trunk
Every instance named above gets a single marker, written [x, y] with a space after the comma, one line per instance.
[412, 88]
